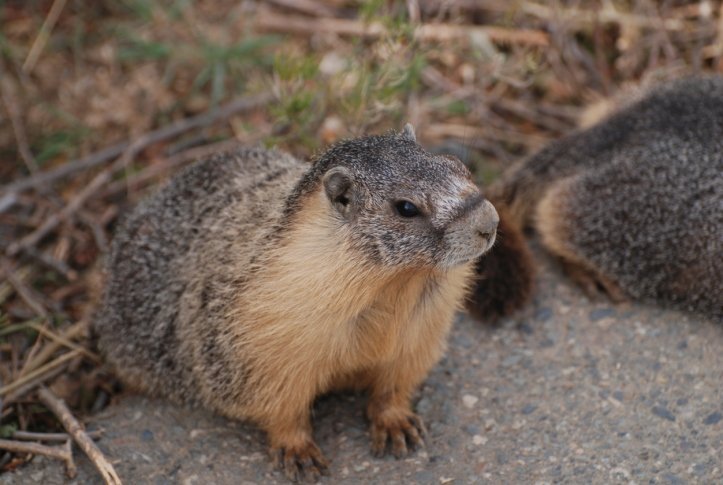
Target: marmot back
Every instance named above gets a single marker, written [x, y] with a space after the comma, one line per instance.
[633, 205]
[253, 282]
[174, 243]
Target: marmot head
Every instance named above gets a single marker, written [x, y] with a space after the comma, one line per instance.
[403, 206]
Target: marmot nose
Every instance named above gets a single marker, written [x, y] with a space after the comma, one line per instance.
[488, 229]
[487, 222]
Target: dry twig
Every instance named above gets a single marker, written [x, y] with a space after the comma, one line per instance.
[608, 14]
[63, 452]
[55, 264]
[74, 428]
[28, 295]
[174, 129]
[66, 169]
[296, 24]
[9, 97]
[51, 437]
[309, 7]
[465, 132]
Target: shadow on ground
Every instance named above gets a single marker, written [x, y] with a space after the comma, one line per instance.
[573, 391]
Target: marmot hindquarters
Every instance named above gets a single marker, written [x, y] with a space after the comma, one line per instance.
[252, 283]
[633, 206]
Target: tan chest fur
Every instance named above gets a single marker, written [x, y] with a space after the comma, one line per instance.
[319, 316]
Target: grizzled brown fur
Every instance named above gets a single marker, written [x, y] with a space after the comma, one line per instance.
[633, 206]
[252, 283]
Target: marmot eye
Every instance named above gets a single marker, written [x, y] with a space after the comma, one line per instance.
[406, 208]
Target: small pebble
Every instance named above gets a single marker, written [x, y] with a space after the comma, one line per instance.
[662, 412]
[479, 439]
[529, 409]
[469, 400]
[543, 314]
[600, 313]
[713, 418]
[525, 328]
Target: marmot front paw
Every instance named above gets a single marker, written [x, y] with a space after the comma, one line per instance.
[403, 429]
[300, 462]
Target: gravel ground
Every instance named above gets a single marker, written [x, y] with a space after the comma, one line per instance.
[572, 391]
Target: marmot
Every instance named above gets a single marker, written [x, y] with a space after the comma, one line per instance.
[633, 205]
[253, 283]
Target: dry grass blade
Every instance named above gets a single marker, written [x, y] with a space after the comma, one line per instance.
[67, 336]
[63, 341]
[73, 427]
[39, 373]
[43, 35]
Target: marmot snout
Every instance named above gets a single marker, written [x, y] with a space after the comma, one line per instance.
[252, 283]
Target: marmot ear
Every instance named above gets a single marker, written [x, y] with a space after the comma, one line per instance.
[339, 188]
[408, 133]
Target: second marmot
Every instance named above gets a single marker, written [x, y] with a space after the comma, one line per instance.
[252, 283]
[633, 206]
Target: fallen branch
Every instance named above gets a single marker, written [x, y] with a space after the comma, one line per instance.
[174, 129]
[64, 452]
[296, 24]
[73, 427]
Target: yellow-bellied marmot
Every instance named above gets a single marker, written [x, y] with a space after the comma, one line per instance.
[252, 283]
[633, 205]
